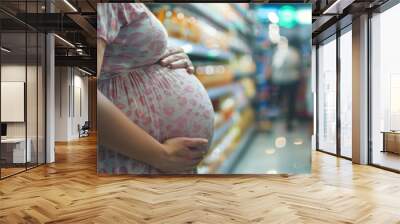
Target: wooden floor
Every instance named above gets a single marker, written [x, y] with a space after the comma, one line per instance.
[10, 171]
[387, 159]
[69, 191]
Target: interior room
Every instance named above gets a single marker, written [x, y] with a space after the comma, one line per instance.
[385, 107]
[338, 161]
[22, 99]
[28, 56]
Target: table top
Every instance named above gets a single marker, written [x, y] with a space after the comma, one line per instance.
[13, 140]
[391, 132]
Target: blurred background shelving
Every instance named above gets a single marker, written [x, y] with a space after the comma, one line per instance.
[231, 49]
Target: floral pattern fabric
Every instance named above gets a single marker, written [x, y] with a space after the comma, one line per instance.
[166, 103]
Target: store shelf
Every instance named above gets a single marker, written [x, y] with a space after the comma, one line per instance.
[203, 11]
[239, 75]
[221, 131]
[239, 50]
[243, 12]
[228, 164]
[198, 50]
[217, 92]
[244, 106]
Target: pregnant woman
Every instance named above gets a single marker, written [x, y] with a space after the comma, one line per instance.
[154, 117]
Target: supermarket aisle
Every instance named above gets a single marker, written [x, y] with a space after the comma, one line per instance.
[278, 151]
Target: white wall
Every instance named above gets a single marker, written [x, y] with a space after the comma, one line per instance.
[33, 127]
[70, 83]
[61, 103]
[80, 100]
[12, 73]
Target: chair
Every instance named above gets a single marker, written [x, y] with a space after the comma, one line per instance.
[84, 130]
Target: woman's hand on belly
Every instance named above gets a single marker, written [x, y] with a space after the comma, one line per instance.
[180, 154]
[176, 58]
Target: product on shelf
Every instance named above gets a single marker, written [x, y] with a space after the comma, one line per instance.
[171, 22]
[192, 30]
[211, 37]
[218, 153]
[230, 142]
[227, 13]
[218, 120]
[183, 23]
[222, 148]
[249, 87]
[214, 75]
[227, 107]
[243, 65]
[179, 23]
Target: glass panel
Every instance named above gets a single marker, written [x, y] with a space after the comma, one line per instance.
[314, 77]
[23, 80]
[32, 88]
[13, 87]
[41, 99]
[346, 94]
[31, 98]
[386, 89]
[327, 97]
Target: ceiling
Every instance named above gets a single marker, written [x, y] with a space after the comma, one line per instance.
[75, 21]
[72, 20]
[327, 13]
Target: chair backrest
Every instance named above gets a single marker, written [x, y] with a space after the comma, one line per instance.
[86, 125]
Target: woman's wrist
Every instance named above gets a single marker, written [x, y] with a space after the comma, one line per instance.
[159, 157]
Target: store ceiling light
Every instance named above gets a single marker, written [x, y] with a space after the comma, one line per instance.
[304, 16]
[65, 41]
[70, 5]
[287, 16]
[5, 50]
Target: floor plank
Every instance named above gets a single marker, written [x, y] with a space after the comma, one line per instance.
[69, 191]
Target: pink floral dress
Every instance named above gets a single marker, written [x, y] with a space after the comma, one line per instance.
[165, 103]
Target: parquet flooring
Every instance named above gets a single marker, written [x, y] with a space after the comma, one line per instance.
[10, 171]
[69, 191]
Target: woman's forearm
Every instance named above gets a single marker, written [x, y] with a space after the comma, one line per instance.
[118, 132]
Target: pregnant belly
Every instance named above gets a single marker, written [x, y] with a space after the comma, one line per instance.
[165, 103]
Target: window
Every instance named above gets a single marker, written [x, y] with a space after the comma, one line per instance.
[22, 87]
[327, 96]
[385, 89]
[346, 93]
